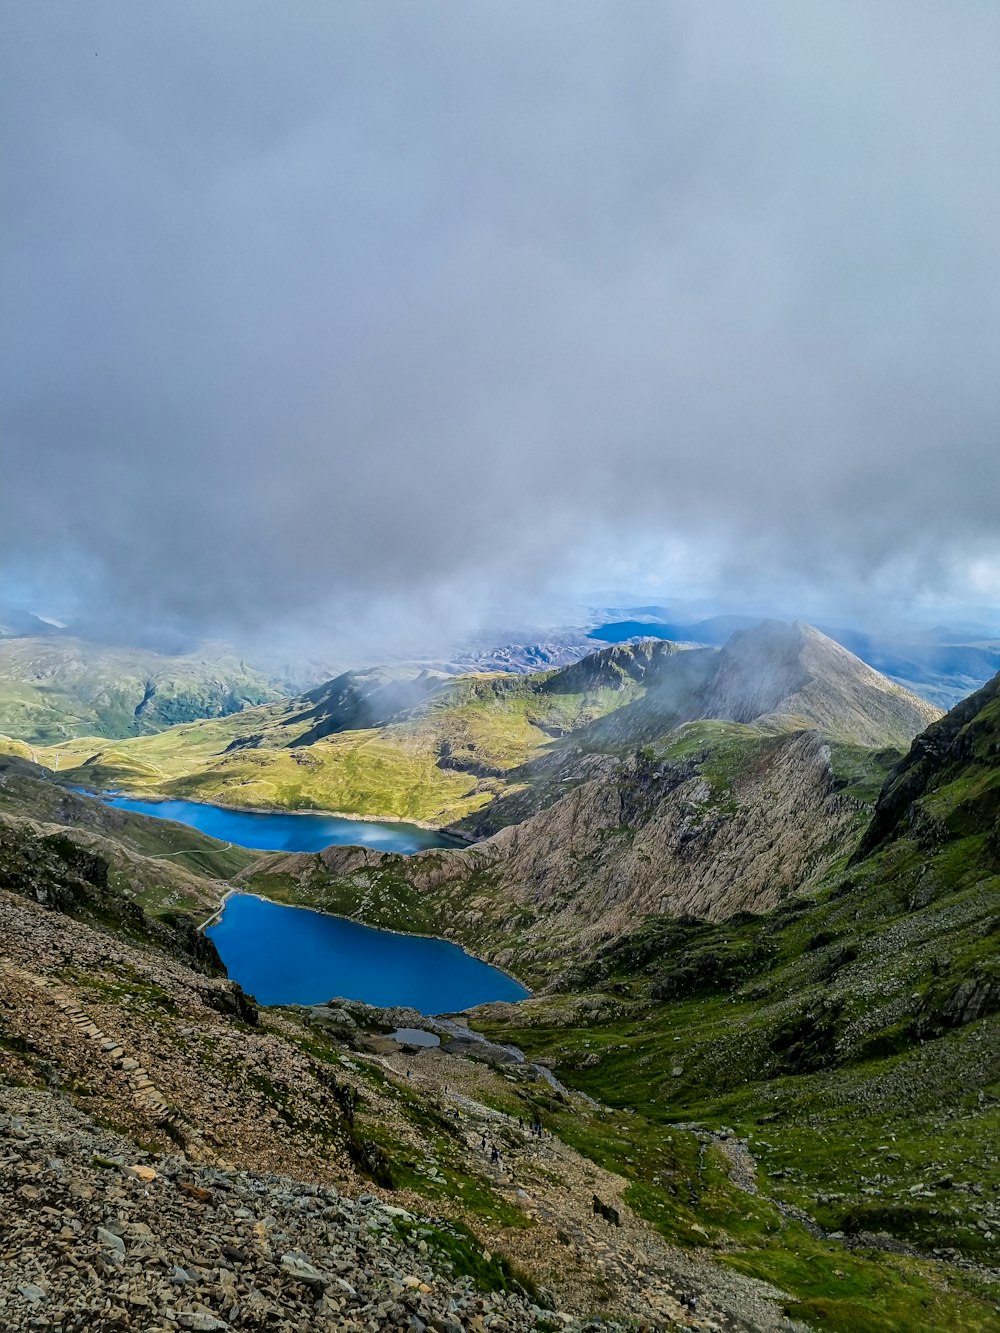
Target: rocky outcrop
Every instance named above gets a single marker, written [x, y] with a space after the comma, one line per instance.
[642, 837]
[965, 739]
[658, 839]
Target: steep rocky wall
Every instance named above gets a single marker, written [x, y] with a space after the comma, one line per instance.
[645, 837]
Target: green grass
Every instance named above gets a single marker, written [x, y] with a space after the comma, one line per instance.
[56, 688]
[449, 757]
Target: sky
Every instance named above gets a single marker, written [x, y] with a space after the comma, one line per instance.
[318, 316]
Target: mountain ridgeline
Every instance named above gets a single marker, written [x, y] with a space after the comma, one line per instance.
[755, 888]
[725, 781]
[478, 752]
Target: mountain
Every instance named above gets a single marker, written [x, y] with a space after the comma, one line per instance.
[731, 778]
[54, 688]
[944, 665]
[357, 700]
[765, 1039]
[211, 1164]
[780, 677]
[421, 745]
[848, 1039]
[941, 665]
[393, 741]
[16, 623]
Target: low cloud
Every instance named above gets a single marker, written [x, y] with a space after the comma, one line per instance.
[358, 312]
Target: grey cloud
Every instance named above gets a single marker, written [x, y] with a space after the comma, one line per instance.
[369, 305]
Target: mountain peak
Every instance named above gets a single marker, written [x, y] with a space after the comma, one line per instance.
[777, 671]
[775, 675]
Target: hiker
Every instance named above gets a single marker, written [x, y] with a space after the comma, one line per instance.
[495, 1155]
[484, 1143]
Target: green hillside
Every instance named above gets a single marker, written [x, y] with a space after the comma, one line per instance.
[432, 748]
[848, 1039]
[55, 688]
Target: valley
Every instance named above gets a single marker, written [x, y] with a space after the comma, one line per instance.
[758, 923]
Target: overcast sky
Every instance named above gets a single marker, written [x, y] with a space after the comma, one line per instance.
[315, 307]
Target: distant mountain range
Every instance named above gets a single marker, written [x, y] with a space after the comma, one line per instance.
[422, 745]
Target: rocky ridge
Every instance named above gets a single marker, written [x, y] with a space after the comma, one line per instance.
[642, 836]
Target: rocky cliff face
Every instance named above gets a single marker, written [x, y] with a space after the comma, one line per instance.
[640, 837]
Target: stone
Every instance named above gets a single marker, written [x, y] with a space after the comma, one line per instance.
[110, 1241]
[302, 1271]
[145, 1173]
[31, 1293]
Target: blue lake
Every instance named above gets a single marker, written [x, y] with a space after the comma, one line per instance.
[290, 955]
[287, 832]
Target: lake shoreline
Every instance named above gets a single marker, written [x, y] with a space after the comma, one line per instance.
[156, 798]
[234, 892]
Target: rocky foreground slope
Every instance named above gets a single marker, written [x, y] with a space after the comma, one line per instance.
[172, 1157]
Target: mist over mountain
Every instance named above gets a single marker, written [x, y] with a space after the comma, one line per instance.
[336, 328]
[500, 488]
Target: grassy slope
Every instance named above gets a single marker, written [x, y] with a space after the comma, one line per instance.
[483, 728]
[52, 689]
[830, 1035]
[161, 865]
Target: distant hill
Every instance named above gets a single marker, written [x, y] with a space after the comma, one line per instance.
[777, 676]
[390, 741]
[16, 623]
[56, 687]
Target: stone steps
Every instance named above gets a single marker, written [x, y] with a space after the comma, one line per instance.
[145, 1092]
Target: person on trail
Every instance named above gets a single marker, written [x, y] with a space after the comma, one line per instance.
[495, 1155]
[484, 1143]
